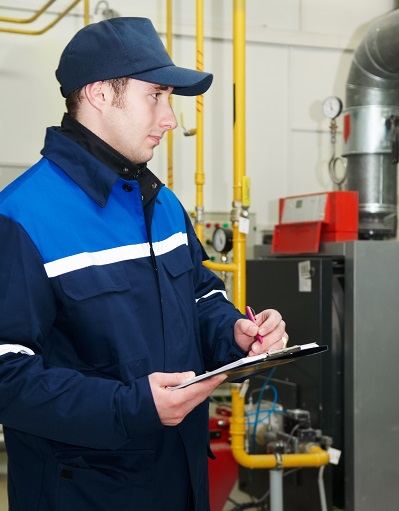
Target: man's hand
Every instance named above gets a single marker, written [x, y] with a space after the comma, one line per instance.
[173, 405]
[269, 324]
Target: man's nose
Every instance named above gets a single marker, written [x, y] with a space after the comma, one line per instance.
[169, 120]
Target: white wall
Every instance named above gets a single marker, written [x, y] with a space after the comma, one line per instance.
[298, 52]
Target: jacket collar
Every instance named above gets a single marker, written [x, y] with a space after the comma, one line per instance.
[98, 148]
[90, 174]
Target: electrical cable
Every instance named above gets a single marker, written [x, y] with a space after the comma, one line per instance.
[265, 384]
[268, 411]
[291, 434]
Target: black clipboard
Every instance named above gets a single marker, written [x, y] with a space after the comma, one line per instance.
[251, 366]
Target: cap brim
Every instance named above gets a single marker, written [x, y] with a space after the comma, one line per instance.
[185, 82]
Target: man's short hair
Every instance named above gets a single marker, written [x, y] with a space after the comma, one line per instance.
[74, 99]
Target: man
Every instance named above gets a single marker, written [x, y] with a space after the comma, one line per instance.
[105, 301]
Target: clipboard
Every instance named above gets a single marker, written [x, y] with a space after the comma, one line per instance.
[250, 366]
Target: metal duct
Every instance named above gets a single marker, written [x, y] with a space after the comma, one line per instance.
[371, 126]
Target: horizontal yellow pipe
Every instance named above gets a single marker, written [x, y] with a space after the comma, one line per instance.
[220, 266]
[46, 28]
[314, 457]
[32, 18]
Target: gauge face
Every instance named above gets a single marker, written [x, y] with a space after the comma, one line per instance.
[332, 107]
[222, 239]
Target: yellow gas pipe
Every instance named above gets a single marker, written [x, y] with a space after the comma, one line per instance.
[170, 132]
[239, 238]
[32, 18]
[241, 182]
[86, 16]
[313, 456]
[199, 174]
[86, 12]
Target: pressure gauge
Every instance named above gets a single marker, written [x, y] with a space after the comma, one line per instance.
[222, 240]
[332, 107]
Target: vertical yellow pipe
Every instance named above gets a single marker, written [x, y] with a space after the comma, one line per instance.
[239, 238]
[169, 49]
[241, 181]
[86, 12]
[199, 174]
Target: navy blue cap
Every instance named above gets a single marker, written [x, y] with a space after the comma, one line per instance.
[124, 47]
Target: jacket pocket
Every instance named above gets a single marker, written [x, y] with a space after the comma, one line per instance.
[178, 261]
[94, 281]
[105, 480]
[178, 286]
[97, 315]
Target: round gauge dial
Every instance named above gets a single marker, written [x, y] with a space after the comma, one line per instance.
[222, 239]
[332, 107]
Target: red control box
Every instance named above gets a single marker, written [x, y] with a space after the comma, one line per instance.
[307, 220]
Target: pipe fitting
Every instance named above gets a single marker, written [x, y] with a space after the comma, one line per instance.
[236, 212]
[315, 456]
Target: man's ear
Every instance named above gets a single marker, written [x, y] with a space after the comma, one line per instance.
[97, 94]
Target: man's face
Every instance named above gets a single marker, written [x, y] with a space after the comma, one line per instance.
[135, 124]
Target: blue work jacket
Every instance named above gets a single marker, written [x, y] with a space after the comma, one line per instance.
[97, 293]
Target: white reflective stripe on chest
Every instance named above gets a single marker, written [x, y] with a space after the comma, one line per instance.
[100, 258]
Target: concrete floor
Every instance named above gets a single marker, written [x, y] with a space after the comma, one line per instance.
[237, 498]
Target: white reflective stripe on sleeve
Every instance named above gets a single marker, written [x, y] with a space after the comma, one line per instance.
[176, 240]
[15, 348]
[212, 293]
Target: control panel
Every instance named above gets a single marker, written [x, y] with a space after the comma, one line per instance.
[218, 242]
[221, 222]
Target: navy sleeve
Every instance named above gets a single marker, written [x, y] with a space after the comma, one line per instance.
[57, 403]
[217, 315]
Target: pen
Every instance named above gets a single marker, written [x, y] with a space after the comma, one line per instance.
[251, 316]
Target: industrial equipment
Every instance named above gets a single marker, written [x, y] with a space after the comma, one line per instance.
[278, 432]
[345, 297]
[307, 220]
[371, 136]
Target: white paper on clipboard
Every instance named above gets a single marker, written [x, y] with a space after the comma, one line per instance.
[249, 366]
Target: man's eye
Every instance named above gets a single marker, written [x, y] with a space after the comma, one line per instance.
[155, 95]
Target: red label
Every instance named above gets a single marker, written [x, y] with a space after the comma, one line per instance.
[347, 127]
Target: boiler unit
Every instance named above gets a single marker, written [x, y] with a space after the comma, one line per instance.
[346, 297]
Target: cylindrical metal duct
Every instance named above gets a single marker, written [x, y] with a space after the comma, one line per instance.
[371, 127]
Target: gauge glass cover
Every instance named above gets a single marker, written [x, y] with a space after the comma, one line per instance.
[332, 107]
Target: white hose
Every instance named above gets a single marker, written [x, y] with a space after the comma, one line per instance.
[322, 491]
